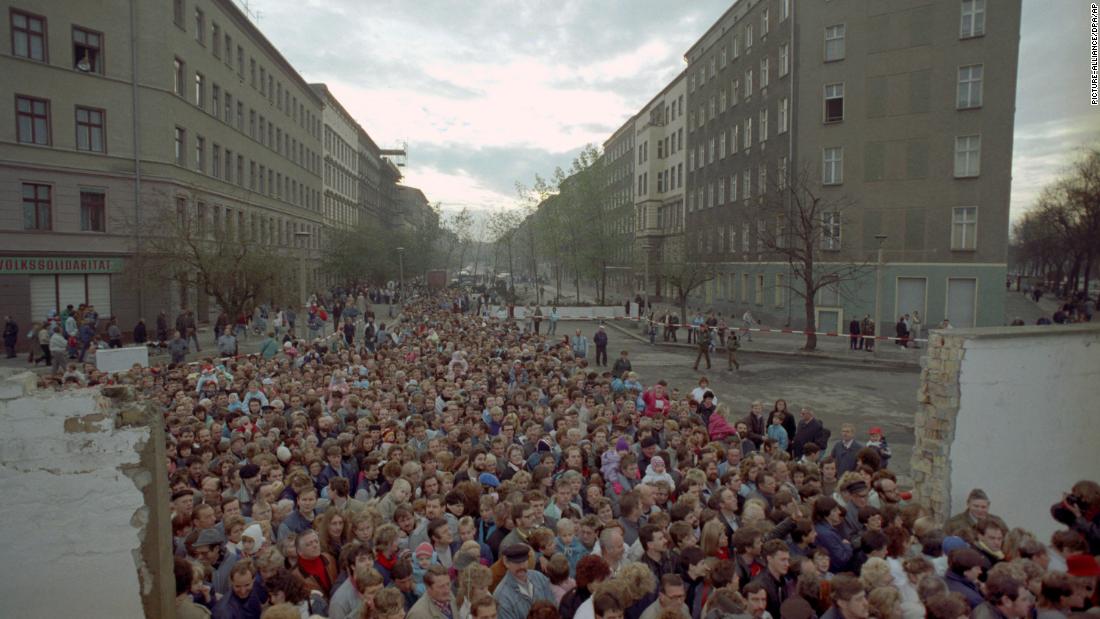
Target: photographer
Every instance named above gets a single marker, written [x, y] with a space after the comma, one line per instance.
[1080, 511]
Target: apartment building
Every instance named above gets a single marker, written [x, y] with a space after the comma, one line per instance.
[340, 206]
[660, 171]
[619, 165]
[119, 113]
[899, 113]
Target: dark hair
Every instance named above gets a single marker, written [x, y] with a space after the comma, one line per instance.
[932, 543]
[845, 587]
[1056, 585]
[401, 569]
[290, 584]
[1000, 586]
[823, 507]
[963, 559]
[773, 546]
[946, 606]
[604, 602]
[434, 524]
[185, 575]
[647, 533]
[872, 541]
[671, 580]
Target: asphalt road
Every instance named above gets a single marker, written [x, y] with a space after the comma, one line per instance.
[838, 392]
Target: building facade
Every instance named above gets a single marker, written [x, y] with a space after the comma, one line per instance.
[885, 111]
[618, 164]
[660, 133]
[118, 113]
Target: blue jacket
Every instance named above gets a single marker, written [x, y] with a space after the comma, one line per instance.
[512, 604]
[233, 607]
[840, 554]
[959, 584]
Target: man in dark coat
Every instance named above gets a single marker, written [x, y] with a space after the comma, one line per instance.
[855, 342]
[810, 430]
[11, 335]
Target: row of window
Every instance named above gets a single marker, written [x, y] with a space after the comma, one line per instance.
[244, 226]
[221, 46]
[971, 24]
[265, 131]
[718, 61]
[33, 124]
[29, 39]
[38, 208]
[261, 178]
[738, 91]
[967, 164]
[723, 239]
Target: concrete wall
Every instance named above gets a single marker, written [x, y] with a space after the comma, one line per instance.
[85, 504]
[1008, 410]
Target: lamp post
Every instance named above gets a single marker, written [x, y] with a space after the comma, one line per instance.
[881, 238]
[303, 237]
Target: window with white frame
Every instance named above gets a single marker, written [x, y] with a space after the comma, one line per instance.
[968, 150]
[722, 58]
[780, 230]
[721, 191]
[744, 239]
[763, 73]
[832, 166]
[713, 66]
[710, 195]
[784, 114]
[762, 181]
[748, 37]
[765, 27]
[733, 187]
[964, 228]
[746, 183]
[733, 92]
[748, 83]
[834, 102]
[972, 19]
[781, 173]
[784, 59]
[691, 160]
[970, 86]
[722, 100]
[784, 9]
[748, 133]
[735, 138]
[722, 145]
[735, 47]
[830, 231]
[763, 125]
[834, 43]
[710, 158]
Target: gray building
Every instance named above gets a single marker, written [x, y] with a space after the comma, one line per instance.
[120, 111]
[901, 116]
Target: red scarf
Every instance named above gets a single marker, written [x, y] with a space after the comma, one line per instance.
[386, 562]
[316, 568]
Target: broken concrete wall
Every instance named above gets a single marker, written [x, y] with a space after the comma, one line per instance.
[1010, 410]
[84, 508]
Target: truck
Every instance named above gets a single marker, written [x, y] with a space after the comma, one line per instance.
[437, 279]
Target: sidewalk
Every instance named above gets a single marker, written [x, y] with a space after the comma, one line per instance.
[245, 346]
[834, 348]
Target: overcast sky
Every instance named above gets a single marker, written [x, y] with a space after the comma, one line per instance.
[488, 92]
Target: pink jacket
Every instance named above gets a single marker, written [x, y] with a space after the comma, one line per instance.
[719, 428]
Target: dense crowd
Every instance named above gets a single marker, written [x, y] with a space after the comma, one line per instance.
[456, 465]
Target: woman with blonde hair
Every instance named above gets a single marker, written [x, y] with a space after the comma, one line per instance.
[473, 581]
[876, 573]
[884, 603]
[361, 526]
[714, 540]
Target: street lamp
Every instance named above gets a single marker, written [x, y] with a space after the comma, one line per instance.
[302, 236]
[881, 238]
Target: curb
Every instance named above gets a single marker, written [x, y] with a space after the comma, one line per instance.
[870, 363]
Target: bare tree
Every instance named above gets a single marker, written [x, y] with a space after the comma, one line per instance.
[684, 276]
[233, 263]
[797, 222]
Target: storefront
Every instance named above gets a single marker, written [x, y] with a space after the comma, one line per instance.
[50, 283]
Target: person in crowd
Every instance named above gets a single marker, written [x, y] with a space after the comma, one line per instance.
[467, 468]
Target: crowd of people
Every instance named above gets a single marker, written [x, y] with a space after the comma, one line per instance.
[463, 466]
